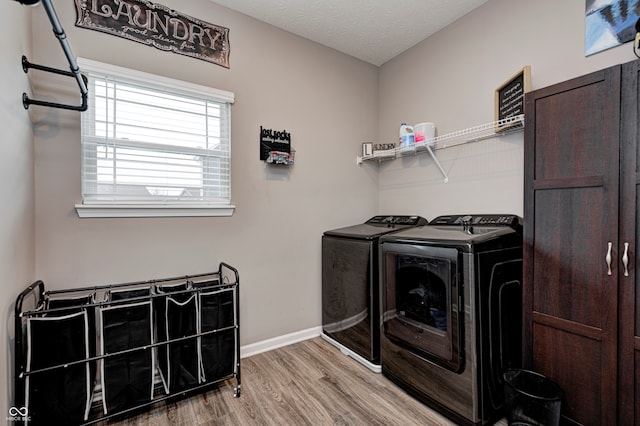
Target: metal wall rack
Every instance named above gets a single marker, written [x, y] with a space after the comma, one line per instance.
[65, 373]
[460, 137]
[74, 70]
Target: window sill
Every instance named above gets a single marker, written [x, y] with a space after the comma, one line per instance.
[108, 210]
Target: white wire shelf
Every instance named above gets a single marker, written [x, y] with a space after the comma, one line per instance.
[460, 137]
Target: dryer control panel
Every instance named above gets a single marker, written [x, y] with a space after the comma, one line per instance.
[510, 220]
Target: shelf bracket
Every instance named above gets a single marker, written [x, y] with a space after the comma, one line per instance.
[75, 70]
[435, 160]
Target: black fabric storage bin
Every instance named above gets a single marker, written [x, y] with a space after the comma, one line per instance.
[160, 323]
[205, 283]
[177, 317]
[217, 350]
[127, 379]
[125, 294]
[69, 305]
[61, 395]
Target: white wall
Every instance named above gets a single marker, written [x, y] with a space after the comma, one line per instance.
[326, 100]
[17, 248]
[450, 79]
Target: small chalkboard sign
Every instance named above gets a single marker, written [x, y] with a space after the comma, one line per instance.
[510, 97]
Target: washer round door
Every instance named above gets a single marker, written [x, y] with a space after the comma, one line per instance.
[422, 302]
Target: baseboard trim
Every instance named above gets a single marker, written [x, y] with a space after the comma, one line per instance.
[280, 341]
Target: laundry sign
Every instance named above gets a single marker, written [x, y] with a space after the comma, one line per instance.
[273, 140]
[156, 25]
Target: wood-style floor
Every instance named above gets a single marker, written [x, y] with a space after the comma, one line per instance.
[308, 383]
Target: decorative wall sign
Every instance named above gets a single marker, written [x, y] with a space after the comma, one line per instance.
[156, 25]
[275, 146]
[383, 146]
[510, 97]
[609, 24]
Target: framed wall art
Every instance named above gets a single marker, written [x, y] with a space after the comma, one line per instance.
[609, 23]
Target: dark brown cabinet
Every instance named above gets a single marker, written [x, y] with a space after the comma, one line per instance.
[581, 322]
[629, 284]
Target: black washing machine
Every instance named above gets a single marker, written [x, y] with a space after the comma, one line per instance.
[350, 286]
[451, 296]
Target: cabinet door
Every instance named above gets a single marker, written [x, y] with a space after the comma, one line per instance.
[629, 371]
[571, 223]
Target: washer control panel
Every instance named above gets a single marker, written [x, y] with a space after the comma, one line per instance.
[510, 220]
[397, 220]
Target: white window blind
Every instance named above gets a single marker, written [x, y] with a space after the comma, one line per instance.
[150, 140]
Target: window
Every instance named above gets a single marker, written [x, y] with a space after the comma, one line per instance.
[153, 146]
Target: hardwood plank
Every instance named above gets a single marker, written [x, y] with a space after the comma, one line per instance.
[308, 383]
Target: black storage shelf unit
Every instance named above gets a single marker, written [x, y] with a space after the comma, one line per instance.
[90, 354]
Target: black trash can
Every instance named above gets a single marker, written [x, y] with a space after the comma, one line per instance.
[531, 398]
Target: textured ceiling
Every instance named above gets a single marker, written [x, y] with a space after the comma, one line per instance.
[372, 30]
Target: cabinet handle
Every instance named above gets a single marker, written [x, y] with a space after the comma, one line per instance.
[607, 258]
[625, 259]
